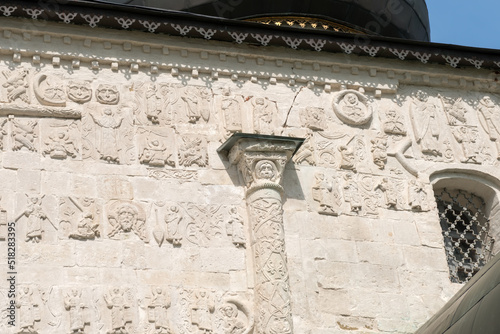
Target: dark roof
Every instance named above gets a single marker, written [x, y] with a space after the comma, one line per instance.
[474, 309]
[180, 23]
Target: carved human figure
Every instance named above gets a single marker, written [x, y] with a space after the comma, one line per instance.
[109, 125]
[154, 104]
[28, 310]
[156, 154]
[74, 305]
[158, 311]
[265, 170]
[390, 193]
[24, 135]
[426, 124]
[417, 196]
[352, 107]
[118, 305]
[17, 85]
[379, 151]
[192, 151]
[231, 109]
[87, 228]
[456, 113]
[327, 194]
[173, 220]
[60, 145]
[263, 115]
[234, 228]
[394, 123]
[467, 138]
[126, 218]
[351, 193]
[231, 324]
[347, 160]
[107, 94]
[79, 91]
[489, 118]
[36, 216]
[202, 310]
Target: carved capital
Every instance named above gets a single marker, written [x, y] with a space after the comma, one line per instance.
[261, 159]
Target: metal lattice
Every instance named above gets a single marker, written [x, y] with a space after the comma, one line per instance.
[466, 235]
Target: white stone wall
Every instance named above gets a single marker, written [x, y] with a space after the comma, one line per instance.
[129, 221]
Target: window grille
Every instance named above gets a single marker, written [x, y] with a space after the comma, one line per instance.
[465, 226]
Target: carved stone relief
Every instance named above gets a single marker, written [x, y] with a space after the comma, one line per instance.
[205, 225]
[158, 307]
[79, 91]
[235, 227]
[35, 219]
[418, 194]
[80, 218]
[352, 107]
[394, 123]
[424, 116]
[28, 310]
[197, 103]
[379, 151]
[108, 134]
[192, 151]
[126, 218]
[61, 140]
[24, 135]
[327, 194]
[489, 118]
[107, 94]
[202, 309]
[234, 316]
[156, 147]
[314, 118]
[119, 304]
[78, 311]
[49, 90]
[231, 107]
[265, 113]
[16, 85]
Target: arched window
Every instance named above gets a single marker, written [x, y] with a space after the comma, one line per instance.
[465, 228]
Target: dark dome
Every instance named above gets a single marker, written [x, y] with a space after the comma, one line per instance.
[408, 19]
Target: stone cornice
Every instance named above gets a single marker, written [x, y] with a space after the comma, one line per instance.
[189, 25]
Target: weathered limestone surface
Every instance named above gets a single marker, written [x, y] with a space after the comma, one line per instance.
[127, 220]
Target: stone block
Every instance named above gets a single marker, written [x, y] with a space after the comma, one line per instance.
[380, 253]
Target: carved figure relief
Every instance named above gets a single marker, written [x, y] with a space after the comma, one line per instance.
[235, 228]
[155, 148]
[175, 225]
[16, 85]
[379, 151]
[125, 217]
[489, 117]
[107, 94]
[352, 108]
[158, 311]
[108, 134]
[327, 194]
[193, 151]
[154, 104]
[79, 91]
[234, 316]
[197, 101]
[347, 160]
[352, 193]
[467, 137]
[314, 118]
[35, 218]
[426, 124]
[305, 154]
[394, 123]
[417, 196]
[264, 114]
[24, 135]
[78, 311]
[3, 132]
[61, 143]
[202, 311]
[231, 108]
[80, 218]
[231, 323]
[28, 310]
[49, 90]
[390, 191]
[117, 303]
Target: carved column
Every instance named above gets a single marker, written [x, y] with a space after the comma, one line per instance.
[261, 161]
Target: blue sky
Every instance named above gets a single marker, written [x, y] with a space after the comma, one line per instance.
[465, 22]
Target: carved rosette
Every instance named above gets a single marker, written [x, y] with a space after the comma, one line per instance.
[262, 163]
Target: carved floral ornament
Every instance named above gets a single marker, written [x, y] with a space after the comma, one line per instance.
[352, 107]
